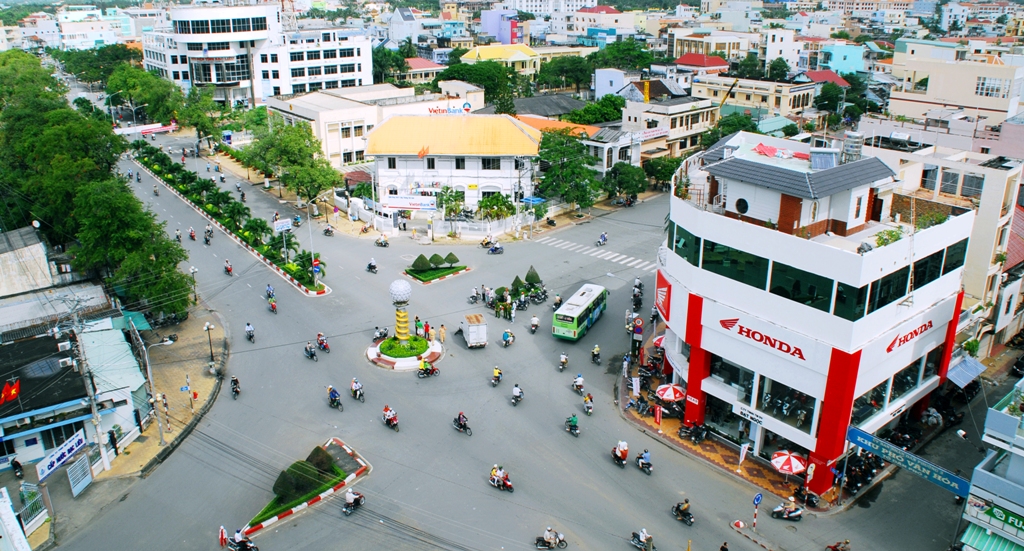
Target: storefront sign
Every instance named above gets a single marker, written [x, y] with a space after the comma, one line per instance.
[663, 296]
[762, 338]
[1002, 515]
[904, 338]
[650, 134]
[410, 202]
[749, 414]
[906, 460]
[60, 455]
[466, 108]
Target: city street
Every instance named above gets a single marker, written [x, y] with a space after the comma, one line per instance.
[428, 488]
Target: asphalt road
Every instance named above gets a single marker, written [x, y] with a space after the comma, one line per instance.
[429, 485]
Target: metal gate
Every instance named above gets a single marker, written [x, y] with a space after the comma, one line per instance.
[80, 475]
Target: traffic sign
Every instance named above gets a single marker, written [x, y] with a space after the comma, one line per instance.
[757, 499]
[184, 389]
[638, 322]
[316, 269]
[316, 262]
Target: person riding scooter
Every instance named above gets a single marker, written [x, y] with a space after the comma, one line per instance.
[497, 374]
[507, 337]
[683, 509]
[333, 397]
[595, 354]
[534, 323]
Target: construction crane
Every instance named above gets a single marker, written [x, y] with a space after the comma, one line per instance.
[726, 98]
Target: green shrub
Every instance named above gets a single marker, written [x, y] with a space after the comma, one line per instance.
[451, 259]
[532, 277]
[421, 263]
[499, 294]
[321, 460]
[436, 260]
[888, 237]
[397, 349]
[304, 476]
[517, 284]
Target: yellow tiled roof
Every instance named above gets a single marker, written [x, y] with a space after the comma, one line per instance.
[453, 135]
[500, 51]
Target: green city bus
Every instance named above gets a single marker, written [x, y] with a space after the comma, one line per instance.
[579, 312]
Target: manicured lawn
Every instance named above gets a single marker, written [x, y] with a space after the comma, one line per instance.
[434, 273]
[394, 347]
[275, 507]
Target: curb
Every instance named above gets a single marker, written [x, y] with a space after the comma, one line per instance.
[350, 479]
[764, 544]
[442, 278]
[231, 235]
[433, 355]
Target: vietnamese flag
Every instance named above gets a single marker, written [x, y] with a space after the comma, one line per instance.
[10, 392]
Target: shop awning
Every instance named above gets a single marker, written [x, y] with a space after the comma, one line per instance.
[137, 317]
[976, 537]
[533, 200]
[966, 371]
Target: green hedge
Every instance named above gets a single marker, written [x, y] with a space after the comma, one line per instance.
[394, 347]
[433, 273]
[275, 507]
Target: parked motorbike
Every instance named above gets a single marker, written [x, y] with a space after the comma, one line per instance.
[780, 512]
[466, 429]
[473, 299]
[17, 468]
[380, 334]
[803, 496]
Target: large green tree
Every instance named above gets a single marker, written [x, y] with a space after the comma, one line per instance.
[201, 112]
[455, 56]
[778, 70]
[661, 169]
[628, 55]
[608, 108]
[750, 67]
[387, 64]
[97, 64]
[494, 78]
[565, 71]
[830, 97]
[566, 164]
[726, 125]
[624, 178]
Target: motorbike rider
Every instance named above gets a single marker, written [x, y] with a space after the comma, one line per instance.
[497, 373]
[637, 284]
[249, 329]
[155, 190]
[558, 301]
[495, 246]
[373, 264]
[209, 229]
[622, 449]
[389, 414]
[227, 265]
[645, 459]
[350, 498]
[462, 420]
[235, 386]
[383, 239]
[177, 235]
[604, 238]
[310, 351]
[192, 233]
[332, 395]
[320, 339]
[844, 546]
[425, 366]
[644, 536]
[501, 475]
[356, 386]
[578, 381]
[563, 359]
[789, 506]
[595, 352]
[243, 543]
[550, 537]
[588, 399]
[517, 392]
[270, 291]
[574, 423]
[534, 322]
[683, 509]
[507, 337]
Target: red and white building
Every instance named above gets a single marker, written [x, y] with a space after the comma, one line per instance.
[788, 321]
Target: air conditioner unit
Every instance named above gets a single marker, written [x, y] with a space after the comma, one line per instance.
[21, 422]
[63, 346]
[66, 362]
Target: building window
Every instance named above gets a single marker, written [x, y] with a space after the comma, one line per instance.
[786, 404]
[331, 84]
[266, 75]
[905, 380]
[430, 163]
[296, 56]
[856, 210]
[460, 163]
[888, 289]
[624, 154]
[218, 46]
[652, 123]
[314, 86]
[972, 185]
[275, 74]
[989, 87]
[330, 69]
[263, 58]
[490, 163]
[314, 71]
[200, 27]
[326, 37]
[673, 122]
[348, 68]
[241, 25]
[313, 55]
[330, 54]
[184, 75]
[273, 58]
[359, 155]
[685, 244]
[358, 130]
[955, 255]
[850, 301]
[735, 264]
[347, 52]
[346, 157]
[194, 47]
[392, 163]
[182, 27]
[928, 269]
[298, 72]
[349, 83]
[799, 286]
[58, 435]
[259, 23]
[175, 75]
[277, 90]
[346, 131]
[220, 25]
[298, 88]
[869, 403]
[174, 60]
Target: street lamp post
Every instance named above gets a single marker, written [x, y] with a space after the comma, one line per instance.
[152, 392]
[110, 107]
[192, 270]
[133, 113]
[208, 327]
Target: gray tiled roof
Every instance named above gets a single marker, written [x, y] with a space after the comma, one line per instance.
[715, 152]
[809, 185]
[546, 106]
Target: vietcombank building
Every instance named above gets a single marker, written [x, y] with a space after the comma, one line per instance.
[801, 299]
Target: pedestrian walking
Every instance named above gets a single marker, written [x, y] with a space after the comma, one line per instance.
[414, 233]
[419, 327]
[513, 310]
[426, 328]
[625, 366]
[433, 335]
[441, 333]
[337, 212]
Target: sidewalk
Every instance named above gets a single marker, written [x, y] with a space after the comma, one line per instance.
[189, 355]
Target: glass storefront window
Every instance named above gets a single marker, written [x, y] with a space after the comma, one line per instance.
[786, 404]
[686, 245]
[738, 377]
[931, 362]
[771, 443]
[869, 403]
[955, 255]
[800, 286]
[905, 380]
[719, 417]
[850, 301]
[735, 264]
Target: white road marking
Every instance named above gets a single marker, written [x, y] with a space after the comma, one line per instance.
[575, 248]
[640, 261]
[596, 251]
[545, 239]
[626, 260]
[566, 244]
[555, 242]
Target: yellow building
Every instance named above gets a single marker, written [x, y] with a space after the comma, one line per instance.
[547, 53]
[780, 98]
[520, 57]
[1015, 26]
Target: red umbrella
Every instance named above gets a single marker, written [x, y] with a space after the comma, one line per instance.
[658, 341]
[671, 393]
[788, 463]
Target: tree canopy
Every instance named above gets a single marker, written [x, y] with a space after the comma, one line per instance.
[565, 71]
[387, 64]
[494, 78]
[778, 70]
[97, 64]
[608, 108]
[566, 163]
[727, 125]
[628, 55]
[750, 67]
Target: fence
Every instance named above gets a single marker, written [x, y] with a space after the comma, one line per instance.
[34, 513]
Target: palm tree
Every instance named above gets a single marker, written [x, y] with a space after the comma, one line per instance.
[496, 207]
[305, 261]
[277, 244]
[219, 199]
[237, 213]
[202, 187]
[257, 228]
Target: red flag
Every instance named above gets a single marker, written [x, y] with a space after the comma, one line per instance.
[15, 390]
[423, 152]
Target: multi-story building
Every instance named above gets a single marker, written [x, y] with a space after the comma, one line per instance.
[547, 7]
[86, 34]
[790, 308]
[608, 145]
[946, 75]
[943, 181]
[712, 6]
[1015, 26]
[421, 71]
[341, 119]
[779, 43]
[955, 129]
[406, 23]
[40, 30]
[866, 7]
[247, 55]
[702, 64]
[990, 10]
[603, 17]
[841, 57]
[780, 98]
[10, 38]
[684, 41]
[75, 13]
[953, 14]
[476, 155]
[518, 57]
[503, 25]
[670, 126]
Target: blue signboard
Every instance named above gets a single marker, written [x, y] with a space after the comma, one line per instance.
[757, 499]
[906, 460]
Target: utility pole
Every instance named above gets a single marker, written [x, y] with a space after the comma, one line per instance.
[87, 378]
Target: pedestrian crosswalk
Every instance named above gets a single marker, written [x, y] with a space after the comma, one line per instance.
[600, 253]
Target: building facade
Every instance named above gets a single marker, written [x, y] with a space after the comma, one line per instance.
[669, 127]
[503, 25]
[248, 56]
[787, 322]
[779, 97]
[547, 7]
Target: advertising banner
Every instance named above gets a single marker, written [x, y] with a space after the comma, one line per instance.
[410, 202]
[60, 455]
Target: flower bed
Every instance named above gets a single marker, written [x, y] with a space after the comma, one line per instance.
[275, 507]
[396, 349]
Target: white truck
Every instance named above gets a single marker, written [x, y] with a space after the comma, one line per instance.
[474, 329]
